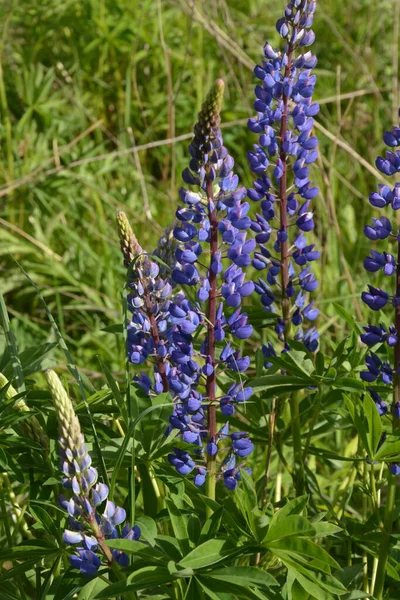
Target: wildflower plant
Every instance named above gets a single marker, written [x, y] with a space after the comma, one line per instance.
[233, 463]
[87, 529]
[283, 191]
[385, 230]
[212, 253]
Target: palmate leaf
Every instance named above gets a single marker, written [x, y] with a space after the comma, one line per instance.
[304, 547]
[170, 546]
[244, 576]
[229, 589]
[315, 581]
[147, 577]
[390, 449]
[148, 529]
[208, 553]
[274, 385]
[291, 526]
[152, 555]
[212, 525]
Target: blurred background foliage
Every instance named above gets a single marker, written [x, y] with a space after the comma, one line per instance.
[97, 102]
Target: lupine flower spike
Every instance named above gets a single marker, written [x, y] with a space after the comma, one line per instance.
[211, 252]
[87, 528]
[281, 158]
[377, 299]
[378, 369]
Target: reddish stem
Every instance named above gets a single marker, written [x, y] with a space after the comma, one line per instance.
[156, 338]
[211, 316]
[283, 203]
[211, 379]
[396, 378]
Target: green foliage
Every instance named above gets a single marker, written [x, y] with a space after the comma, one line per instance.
[82, 84]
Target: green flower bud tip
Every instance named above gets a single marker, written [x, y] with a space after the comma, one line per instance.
[130, 247]
[209, 116]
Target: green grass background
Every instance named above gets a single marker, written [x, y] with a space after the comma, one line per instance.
[83, 83]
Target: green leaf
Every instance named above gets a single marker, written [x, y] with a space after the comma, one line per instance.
[92, 588]
[391, 447]
[137, 548]
[147, 577]
[293, 507]
[295, 362]
[309, 586]
[324, 529]
[347, 384]
[311, 572]
[179, 525]
[294, 525]
[150, 500]
[128, 438]
[229, 590]
[148, 529]
[208, 553]
[212, 525]
[374, 425]
[274, 385]
[305, 547]
[244, 576]
[46, 520]
[194, 528]
[170, 547]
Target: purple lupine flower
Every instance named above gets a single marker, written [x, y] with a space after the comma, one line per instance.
[212, 222]
[286, 148]
[211, 253]
[87, 528]
[384, 228]
[148, 302]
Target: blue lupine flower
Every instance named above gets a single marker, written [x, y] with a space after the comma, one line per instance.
[241, 444]
[212, 225]
[181, 461]
[286, 146]
[376, 298]
[86, 526]
[87, 562]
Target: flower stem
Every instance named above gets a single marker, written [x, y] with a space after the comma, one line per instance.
[211, 318]
[298, 466]
[271, 433]
[156, 338]
[298, 470]
[385, 539]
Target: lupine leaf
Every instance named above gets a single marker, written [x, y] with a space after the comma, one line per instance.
[134, 547]
[304, 547]
[208, 553]
[374, 425]
[390, 448]
[148, 577]
[212, 525]
[293, 525]
[244, 576]
[179, 525]
[148, 528]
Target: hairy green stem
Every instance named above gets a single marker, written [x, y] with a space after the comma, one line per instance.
[385, 539]
[298, 470]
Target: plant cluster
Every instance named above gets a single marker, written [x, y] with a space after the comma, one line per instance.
[215, 452]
